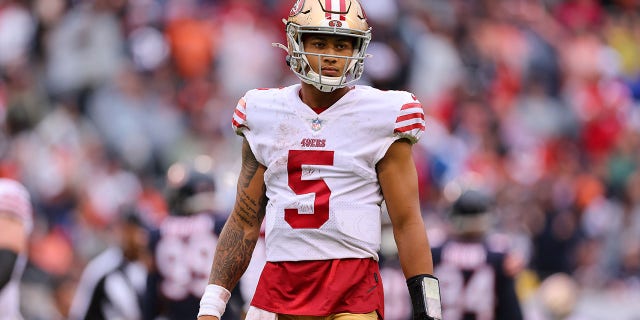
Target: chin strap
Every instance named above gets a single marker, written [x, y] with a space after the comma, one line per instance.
[283, 47]
[424, 290]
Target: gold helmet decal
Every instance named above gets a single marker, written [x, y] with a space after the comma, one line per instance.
[332, 17]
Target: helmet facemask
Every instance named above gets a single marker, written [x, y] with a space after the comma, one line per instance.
[299, 63]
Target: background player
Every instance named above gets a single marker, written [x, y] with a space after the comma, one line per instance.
[318, 159]
[181, 246]
[16, 222]
[476, 276]
[112, 284]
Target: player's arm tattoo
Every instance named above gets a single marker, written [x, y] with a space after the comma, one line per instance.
[241, 232]
[249, 166]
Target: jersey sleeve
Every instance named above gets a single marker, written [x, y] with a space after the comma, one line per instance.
[410, 122]
[15, 201]
[239, 120]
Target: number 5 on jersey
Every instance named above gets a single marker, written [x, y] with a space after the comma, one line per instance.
[295, 161]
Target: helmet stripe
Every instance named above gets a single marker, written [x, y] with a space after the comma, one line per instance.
[335, 10]
[327, 8]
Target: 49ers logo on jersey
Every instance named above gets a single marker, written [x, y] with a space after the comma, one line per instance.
[313, 143]
[297, 7]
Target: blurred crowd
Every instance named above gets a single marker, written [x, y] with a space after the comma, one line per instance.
[537, 101]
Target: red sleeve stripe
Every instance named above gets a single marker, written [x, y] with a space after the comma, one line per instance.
[410, 127]
[411, 105]
[238, 120]
[240, 114]
[237, 125]
[415, 115]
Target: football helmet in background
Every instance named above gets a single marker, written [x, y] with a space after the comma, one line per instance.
[469, 213]
[190, 189]
[333, 17]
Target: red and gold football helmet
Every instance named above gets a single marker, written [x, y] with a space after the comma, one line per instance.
[334, 17]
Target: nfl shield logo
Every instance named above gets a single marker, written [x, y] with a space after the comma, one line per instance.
[316, 124]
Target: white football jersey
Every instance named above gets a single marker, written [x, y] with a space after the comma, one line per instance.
[15, 202]
[324, 195]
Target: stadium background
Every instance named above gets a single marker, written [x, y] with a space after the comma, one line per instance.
[537, 102]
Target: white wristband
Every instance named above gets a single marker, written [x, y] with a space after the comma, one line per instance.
[214, 301]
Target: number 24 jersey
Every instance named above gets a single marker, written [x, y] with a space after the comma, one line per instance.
[321, 182]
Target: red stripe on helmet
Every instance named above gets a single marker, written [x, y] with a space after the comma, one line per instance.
[327, 9]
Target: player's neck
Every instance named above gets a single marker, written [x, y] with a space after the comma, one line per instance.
[317, 99]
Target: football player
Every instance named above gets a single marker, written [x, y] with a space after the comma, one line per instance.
[183, 246]
[476, 274]
[318, 159]
[15, 222]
